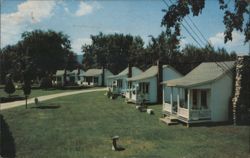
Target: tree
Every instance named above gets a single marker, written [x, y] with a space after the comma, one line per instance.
[26, 91]
[163, 48]
[44, 51]
[233, 20]
[9, 86]
[26, 84]
[113, 51]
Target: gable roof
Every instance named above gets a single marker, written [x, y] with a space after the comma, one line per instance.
[123, 73]
[59, 72]
[150, 72]
[76, 71]
[204, 73]
[93, 72]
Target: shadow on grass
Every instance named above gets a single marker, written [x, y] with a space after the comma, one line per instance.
[11, 98]
[7, 144]
[45, 106]
[211, 124]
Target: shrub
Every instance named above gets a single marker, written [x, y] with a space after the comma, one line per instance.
[9, 86]
[45, 83]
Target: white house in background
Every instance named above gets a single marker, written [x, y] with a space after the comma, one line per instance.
[77, 76]
[204, 94]
[59, 78]
[94, 77]
[73, 77]
[118, 83]
[145, 85]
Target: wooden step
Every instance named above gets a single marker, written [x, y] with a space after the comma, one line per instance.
[169, 121]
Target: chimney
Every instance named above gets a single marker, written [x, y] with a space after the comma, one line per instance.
[159, 81]
[129, 70]
[103, 76]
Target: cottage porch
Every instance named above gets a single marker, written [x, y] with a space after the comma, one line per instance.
[137, 93]
[189, 105]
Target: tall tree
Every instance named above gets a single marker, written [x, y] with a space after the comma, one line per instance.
[164, 48]
[43, 51]
[48, 50]
[114, 51]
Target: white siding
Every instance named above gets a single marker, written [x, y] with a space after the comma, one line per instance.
[169, 74]
[221, 93]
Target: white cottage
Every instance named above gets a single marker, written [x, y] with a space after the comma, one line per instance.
[203, 95]
[145, 86]
[95, 77]
[77, 76]
[118, 83]
[59, 78]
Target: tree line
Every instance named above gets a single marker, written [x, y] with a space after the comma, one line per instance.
[40, 53]
[116, 51]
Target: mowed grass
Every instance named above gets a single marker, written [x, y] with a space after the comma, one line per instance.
[81, 126]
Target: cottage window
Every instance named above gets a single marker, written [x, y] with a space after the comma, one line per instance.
[144, 87]
[72, 79]
[195, 100]
[204, 99]
[59, 79]
[95, 79]
[184, 98]
[89, 79]
[167, 94]
[119, 83]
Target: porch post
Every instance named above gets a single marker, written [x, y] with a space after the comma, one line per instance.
[171, 99]
[189, 103]
[178, 98]
[163, 94]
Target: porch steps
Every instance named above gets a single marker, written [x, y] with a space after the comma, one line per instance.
[169, 120]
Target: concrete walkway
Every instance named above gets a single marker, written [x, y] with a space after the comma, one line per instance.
[46, 97]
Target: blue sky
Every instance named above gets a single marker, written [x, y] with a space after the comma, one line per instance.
[80, 19]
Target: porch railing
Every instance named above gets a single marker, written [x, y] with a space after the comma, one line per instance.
[194, 114]
[167, 107]
[200, 114]
[183, 112]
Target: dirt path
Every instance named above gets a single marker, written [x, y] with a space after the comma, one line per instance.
[46, 97]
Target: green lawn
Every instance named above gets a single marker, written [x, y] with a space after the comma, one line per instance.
[81, 126]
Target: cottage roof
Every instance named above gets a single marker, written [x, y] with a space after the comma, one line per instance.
[150, 72]
[122, 74]
[76, 72]
[204, 73]
[93, 72]
[60, 72]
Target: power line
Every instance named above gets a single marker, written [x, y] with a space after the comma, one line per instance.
[185, 28]
[225, 69]
[203, 37]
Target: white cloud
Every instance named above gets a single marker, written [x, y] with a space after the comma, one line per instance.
[29, 12]
[87, 8]
[218, 39]
[237, 44]
[84, 9]
[77, 44]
